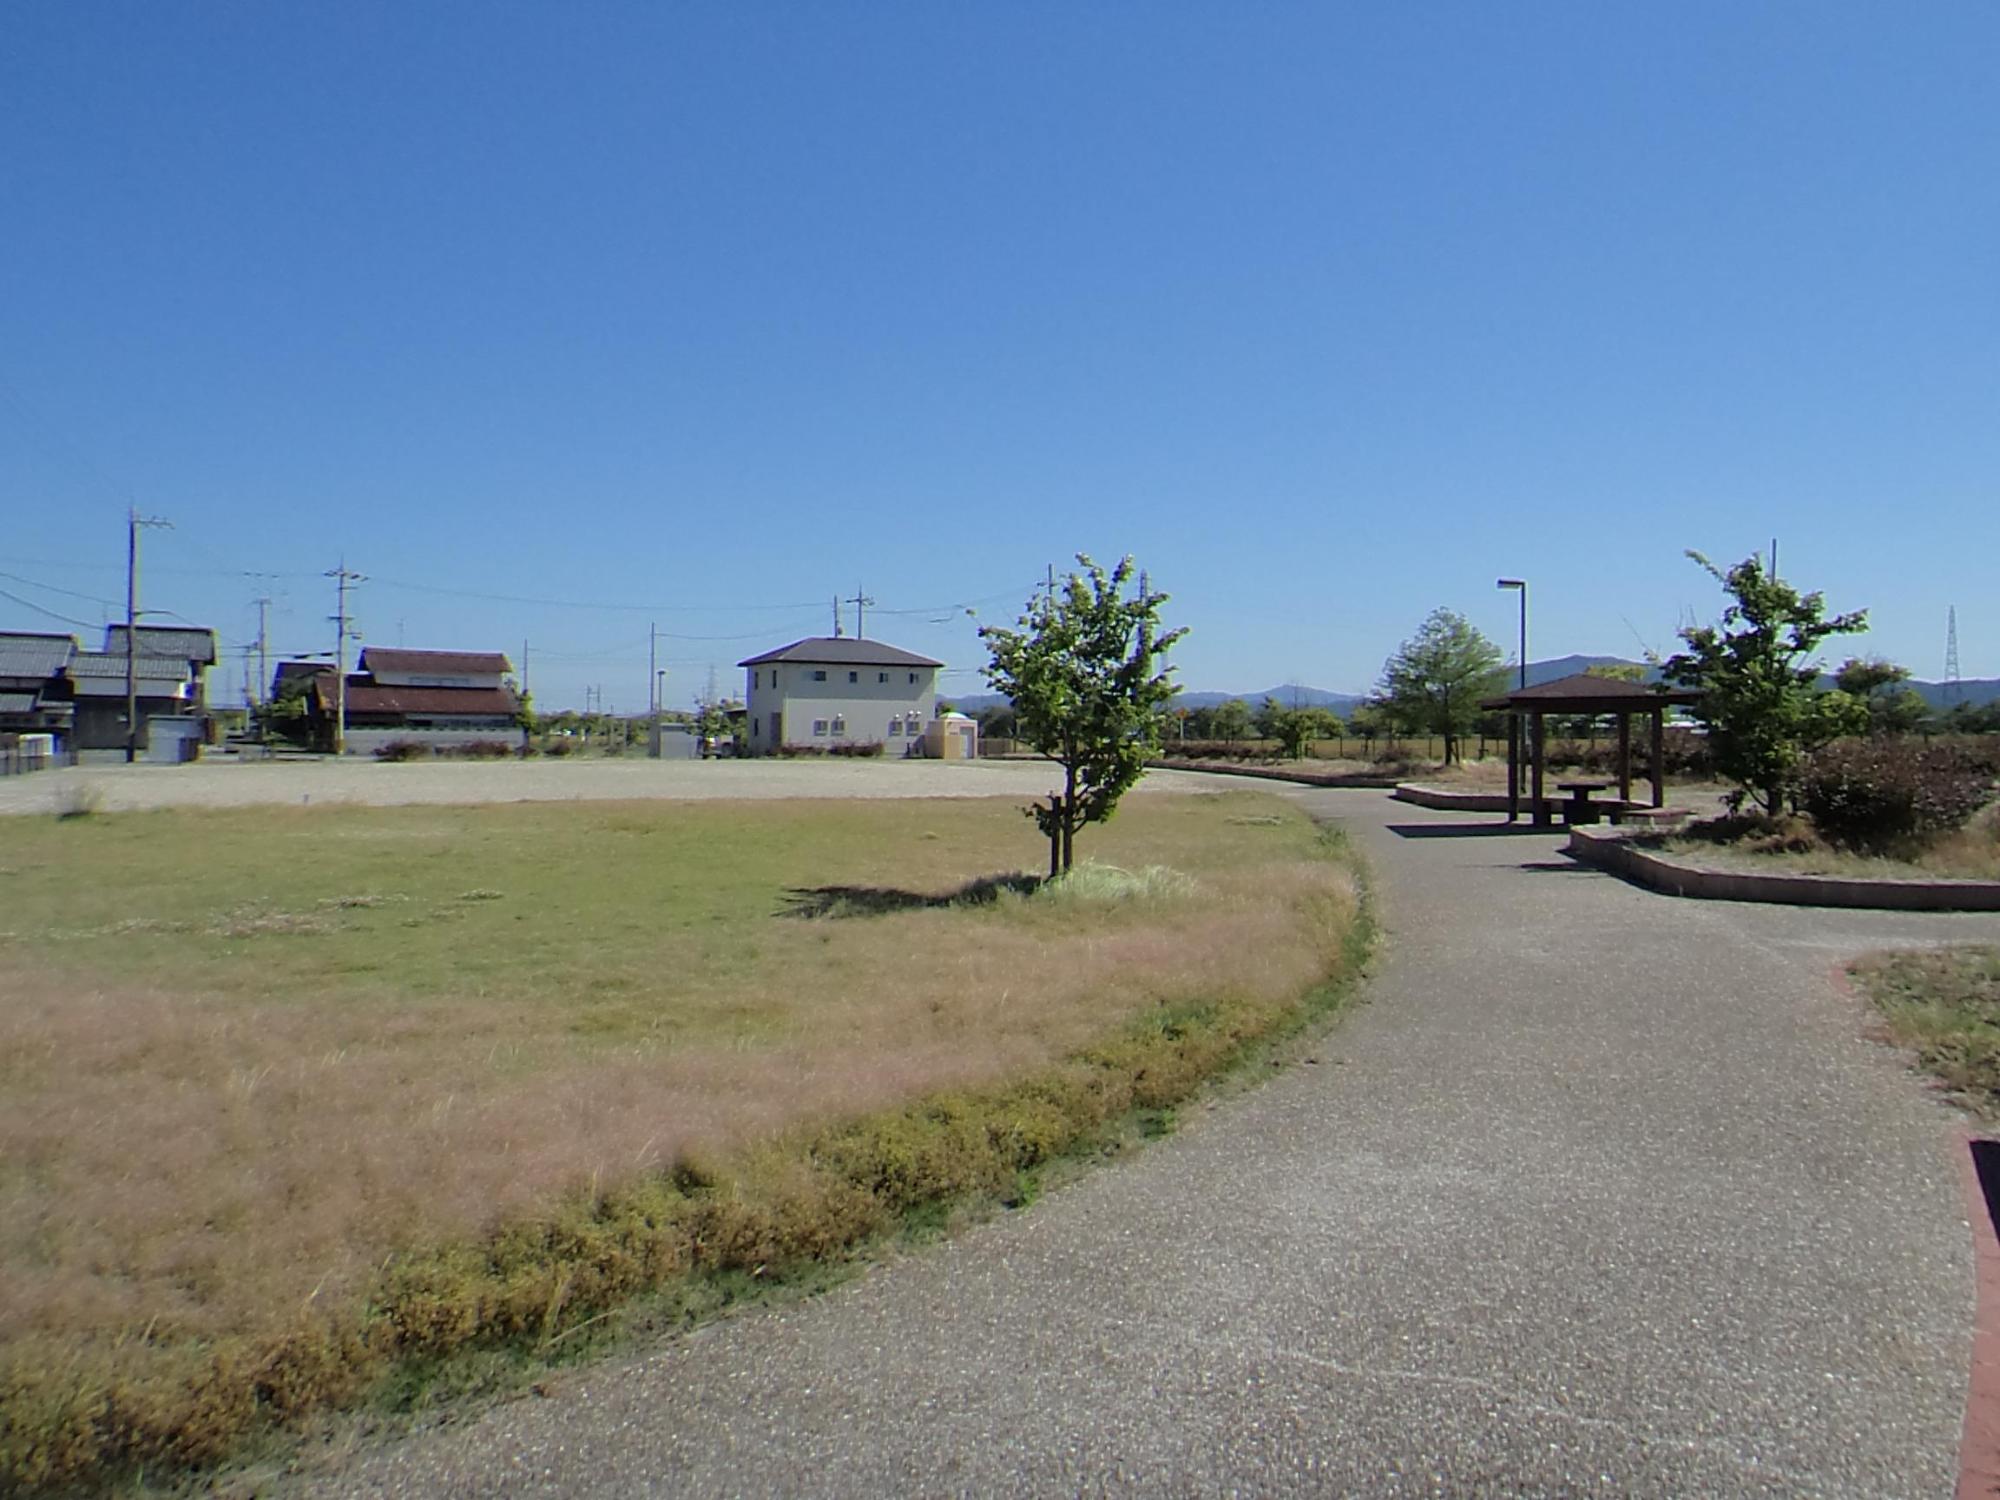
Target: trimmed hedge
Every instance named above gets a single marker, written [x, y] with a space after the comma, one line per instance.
[1884, 795]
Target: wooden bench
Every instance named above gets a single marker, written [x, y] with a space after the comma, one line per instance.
[1579, 808]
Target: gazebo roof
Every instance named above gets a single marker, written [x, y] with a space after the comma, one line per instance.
[1585, 694]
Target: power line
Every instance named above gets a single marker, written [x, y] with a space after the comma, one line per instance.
[38, 609]
[50, 588]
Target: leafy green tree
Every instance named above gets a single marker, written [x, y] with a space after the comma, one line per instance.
[1760, 697]
[1230, 720]
[1892, 708]
[287, 715]
[1295, 729]
[1435, 679]
[1082, 671]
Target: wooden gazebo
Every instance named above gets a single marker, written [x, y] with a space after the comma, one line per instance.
[1586, 697]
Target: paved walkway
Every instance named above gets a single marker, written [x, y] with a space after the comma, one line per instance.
[1603, 1193]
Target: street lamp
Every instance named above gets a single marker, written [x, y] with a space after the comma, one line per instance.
[1522, 585]
[1517, 741]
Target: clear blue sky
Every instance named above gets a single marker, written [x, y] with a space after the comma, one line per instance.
[1328, 313]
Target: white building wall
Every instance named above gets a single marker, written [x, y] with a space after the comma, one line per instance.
[865, 701]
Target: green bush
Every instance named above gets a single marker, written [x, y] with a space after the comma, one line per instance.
[1883, 795]
[858, 748]
[402, 750]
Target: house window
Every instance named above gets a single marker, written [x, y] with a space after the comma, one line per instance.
[853, 676]
[840, 726]
[819, 726]
[881, 676]
[819, 674]
[895, 728]
[913, 677]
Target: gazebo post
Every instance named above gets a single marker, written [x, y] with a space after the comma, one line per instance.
[1659, 757]
[1513, 766]
[1624, 755]
[1535, 751]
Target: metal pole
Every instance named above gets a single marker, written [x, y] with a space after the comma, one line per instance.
[131, 636]
[1524, 636]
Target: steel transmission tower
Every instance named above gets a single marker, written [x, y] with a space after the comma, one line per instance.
[1951, 688]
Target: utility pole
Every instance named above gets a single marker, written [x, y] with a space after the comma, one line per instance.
[343, 579]
[524, 666]
[263, 650]
[860, 601]
[836, 617]
[653, 686]
[133, 522]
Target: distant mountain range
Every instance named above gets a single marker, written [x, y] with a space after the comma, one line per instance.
[1976, 692]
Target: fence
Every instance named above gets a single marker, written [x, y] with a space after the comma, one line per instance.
[15, 761]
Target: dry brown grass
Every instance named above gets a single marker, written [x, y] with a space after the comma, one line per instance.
[358, 1034]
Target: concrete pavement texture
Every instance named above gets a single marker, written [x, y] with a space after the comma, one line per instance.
[1602, 1193]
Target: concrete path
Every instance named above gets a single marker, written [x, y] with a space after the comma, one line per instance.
[1603, 1193]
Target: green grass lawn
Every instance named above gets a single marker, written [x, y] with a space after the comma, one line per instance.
[315, 1091]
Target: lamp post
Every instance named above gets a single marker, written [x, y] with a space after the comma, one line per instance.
[1522, 585]
[1516, 740]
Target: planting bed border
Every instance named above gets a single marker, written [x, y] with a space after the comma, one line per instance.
[1618, 854]
[1300, 776]
[1444, 799]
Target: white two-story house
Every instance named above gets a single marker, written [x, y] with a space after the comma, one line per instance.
[839, 690]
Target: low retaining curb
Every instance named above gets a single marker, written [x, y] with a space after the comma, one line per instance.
[1275, 773]
[1442, 800]
[1617, 854]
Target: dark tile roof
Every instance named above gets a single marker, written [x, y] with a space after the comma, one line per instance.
[442, 663]
[1583, 693]
[29, 654]
[365, 697]
[18, 703]
[86, 665]
[188, 642]
[841, 651]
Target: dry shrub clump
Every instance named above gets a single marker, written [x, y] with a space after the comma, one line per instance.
[1944, 1004]
[222, 1208]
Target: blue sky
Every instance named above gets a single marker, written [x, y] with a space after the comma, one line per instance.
[703, 314]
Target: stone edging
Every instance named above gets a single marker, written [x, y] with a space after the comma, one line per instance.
[1616, 853]
[1275, 773]
[1443, 800]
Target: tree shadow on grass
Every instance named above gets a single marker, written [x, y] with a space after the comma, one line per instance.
[837, 901]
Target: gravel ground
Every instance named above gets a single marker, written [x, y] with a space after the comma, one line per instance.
[225, 782]
[1603, 1194]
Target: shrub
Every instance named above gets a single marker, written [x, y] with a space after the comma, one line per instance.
[78, 800]
[857, 748]
[1879, 795]
[484, 750]
[402, 750]
[560, 746]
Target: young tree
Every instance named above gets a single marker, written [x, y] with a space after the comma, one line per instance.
[1295, 729]
[1892, 708]
[1760, 697]
[1434, 682]
[1082, 671]
[1229, 720]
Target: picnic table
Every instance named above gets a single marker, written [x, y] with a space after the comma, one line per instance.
[1579, 808]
